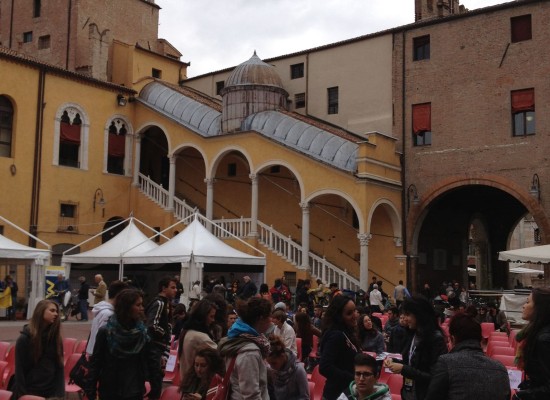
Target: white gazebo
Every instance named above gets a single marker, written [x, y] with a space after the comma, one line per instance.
[11, 251]
[533, 255]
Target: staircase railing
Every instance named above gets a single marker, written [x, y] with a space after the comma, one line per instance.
[282, 245]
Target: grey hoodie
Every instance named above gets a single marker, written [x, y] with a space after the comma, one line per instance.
[101, 311]
[381, 392]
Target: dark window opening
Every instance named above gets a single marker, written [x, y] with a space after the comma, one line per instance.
[27, 37]
[219, 86]
[523, 112]
[332, 100]
[421, 48]
[37, 5]
[117, 148]
[275, 169]
[68, 217]
[520, 28]
[537, 236]
[300, 100]
[156, 73]
[69, 140]
[6, 126]
[297, 71]
[44, 42]
[231, 169]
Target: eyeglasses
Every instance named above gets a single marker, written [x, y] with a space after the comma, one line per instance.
[363, 374]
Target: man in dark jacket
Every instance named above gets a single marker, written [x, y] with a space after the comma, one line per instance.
[83, 298]
[159, 316]
[247, 290]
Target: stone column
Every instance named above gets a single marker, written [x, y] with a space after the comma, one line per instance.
[171, 183]
[209, 197]
[254, 206]
[364, 261]
[137, 158]
[305, 235]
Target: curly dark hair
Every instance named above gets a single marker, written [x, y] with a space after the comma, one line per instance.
[540, 318]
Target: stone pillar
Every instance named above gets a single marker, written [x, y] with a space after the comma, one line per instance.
[137, 158]
[364, 260]
[254, 206]
[171, 183]
[209, 197]
[305, 235]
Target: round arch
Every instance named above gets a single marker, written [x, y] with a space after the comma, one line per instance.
[186, 145]
[419, 212]
[345, 196]
[392, 212]
[140, 131]
[210, 170]
[288, 166]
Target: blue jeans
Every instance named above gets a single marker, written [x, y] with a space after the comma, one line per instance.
[83, 306]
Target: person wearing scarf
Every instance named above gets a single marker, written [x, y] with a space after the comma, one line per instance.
[288, 376]
[533, 352]
[123, 357]
[249, 347]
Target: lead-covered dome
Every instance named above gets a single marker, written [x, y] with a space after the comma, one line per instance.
[254, 72]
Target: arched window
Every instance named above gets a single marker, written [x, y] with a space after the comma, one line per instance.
[118, 147]
[71, 138]
[6, 124]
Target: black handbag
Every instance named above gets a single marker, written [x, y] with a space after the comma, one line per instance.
[79, 373]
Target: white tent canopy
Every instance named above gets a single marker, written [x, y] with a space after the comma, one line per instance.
[195, 246]
[195, 243]
[129, 242]
[534, 255]
[37, 258]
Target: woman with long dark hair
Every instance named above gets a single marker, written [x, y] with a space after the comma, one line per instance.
[246, 348]
[39, 354]
[425, 344]
[370, 338]
[206, 372]
[196, 332]
[534, 346]
[305, 331]
[123, 358]
[339, 345]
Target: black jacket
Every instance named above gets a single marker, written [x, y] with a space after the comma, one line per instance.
[247, 290]
[83, 291]
[336, 364]
[120, 378]
[46, 377]
[537, 369]
[418, 368]
[467, 373]
[158, 321]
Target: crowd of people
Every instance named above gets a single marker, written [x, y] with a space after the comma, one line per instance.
[248, 336]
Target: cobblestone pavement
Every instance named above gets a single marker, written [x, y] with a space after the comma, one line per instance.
[9, 330]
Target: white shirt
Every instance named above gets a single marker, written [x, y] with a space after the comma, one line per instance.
[375, 297]
[288, 337]
[195, 292]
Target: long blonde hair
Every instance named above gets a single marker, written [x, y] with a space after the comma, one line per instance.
[37, 327]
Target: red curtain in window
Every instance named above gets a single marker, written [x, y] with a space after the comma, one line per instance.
[523, 100]
[422, 118]
[70, 133]
[521, 28]
[116, 145]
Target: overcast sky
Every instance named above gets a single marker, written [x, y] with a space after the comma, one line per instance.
[217, 34]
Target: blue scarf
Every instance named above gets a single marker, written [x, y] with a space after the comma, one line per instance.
[240, 327]
[124, 342]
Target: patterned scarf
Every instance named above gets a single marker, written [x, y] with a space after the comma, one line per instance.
[125, 342]
[261, 341]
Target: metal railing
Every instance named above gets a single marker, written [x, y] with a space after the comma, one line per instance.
[283, 246]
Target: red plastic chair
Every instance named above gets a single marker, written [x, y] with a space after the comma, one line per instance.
[170, 375]
[319, 381]
[486, 329]
[498, 333]
[395, 383]
[314, 347]
[502, 351]
[503, 339]
[68, 347]
[507, 361]
[5, 395]
[4, 346]
[170, 393]
[312, 390]
[80, 346]
[31, 397]
[9, 370]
